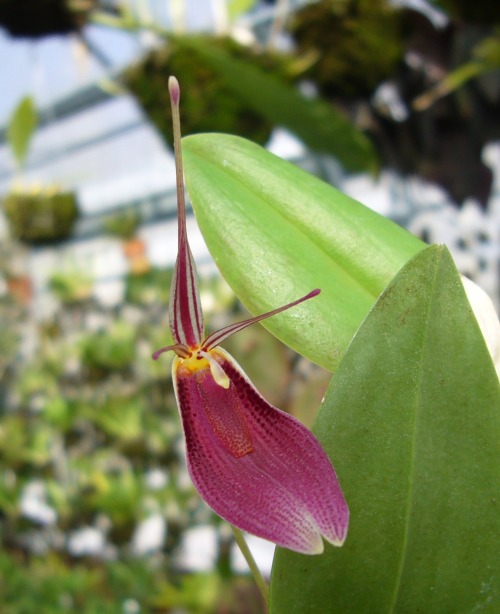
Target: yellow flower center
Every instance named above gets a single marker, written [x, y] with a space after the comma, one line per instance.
[201, 360]
[195, 362]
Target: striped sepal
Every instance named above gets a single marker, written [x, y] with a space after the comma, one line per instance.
[185, 316]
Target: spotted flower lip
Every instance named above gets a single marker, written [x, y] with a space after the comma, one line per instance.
[256, 466]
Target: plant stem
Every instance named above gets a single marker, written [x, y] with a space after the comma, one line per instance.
[245, 551]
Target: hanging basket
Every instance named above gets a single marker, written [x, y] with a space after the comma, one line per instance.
[38, 18]
[208, 104]
[40, 215]
[356, 45]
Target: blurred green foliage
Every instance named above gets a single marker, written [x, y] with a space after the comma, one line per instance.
[71, 286]
[319, 125]
[110, 349]
[152, 287]
[48, 585]
[123, 225]
[21, 127]
[354, 45]
[208, 104]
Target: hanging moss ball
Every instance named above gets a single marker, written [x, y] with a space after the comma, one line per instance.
[208, 105]
[40, 215]
[356, 44]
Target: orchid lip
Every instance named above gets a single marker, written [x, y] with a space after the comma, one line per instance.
[256, 466]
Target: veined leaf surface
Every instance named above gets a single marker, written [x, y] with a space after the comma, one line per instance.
[276, 232]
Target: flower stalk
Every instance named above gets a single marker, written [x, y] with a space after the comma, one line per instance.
[252, 565]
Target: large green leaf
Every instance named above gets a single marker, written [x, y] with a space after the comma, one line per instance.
[412, 423]
[314, 121]
[277, 232]
[21, 126]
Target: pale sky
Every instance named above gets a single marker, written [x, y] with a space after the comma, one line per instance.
[54, 66]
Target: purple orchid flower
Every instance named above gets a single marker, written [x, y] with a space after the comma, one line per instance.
[256, 466]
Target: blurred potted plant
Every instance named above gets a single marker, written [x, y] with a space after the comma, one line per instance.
[71, 287]
[13, 275]
[20, 287]
[36, 213]
[124, 226]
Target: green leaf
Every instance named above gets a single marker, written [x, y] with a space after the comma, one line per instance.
[486, 56]
[488, 50]
[235, 8]
[21, 128]
[277, 232]
[412, 423]
[453, 81]
[314, 121]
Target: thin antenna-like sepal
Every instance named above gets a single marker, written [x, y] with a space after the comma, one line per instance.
[217, 337]
[185, 316]
[178, 348]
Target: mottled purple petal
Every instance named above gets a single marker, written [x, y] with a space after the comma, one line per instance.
[256, 466]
